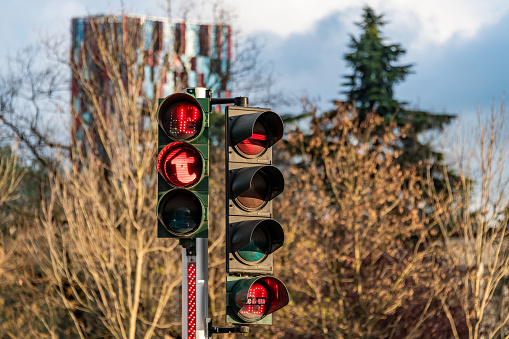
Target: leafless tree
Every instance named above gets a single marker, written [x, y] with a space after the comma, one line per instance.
[96, 240]
[472, 217]
[10, 177]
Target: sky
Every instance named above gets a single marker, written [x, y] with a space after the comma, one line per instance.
[459, 48]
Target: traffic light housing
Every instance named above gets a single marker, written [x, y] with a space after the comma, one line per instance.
[252, 235]
[253, 300]
[182, 165]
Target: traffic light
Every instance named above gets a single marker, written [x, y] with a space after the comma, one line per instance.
[253, 300]
[252, 235]
[182, 164]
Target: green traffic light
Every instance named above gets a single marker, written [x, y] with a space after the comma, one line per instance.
[257, 249]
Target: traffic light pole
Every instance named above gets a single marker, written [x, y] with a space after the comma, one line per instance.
[202, 265]
[186, 259]
[194, 291]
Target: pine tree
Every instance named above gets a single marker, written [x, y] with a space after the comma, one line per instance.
[370, 88]
[374, 73]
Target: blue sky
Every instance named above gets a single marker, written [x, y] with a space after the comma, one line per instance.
[460, 48]
[455, 76]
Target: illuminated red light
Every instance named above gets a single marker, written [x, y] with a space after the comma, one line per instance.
[257, 302]
[256, 143]
[191, 300]
[183, 121]
[180, 164]
[253, 145]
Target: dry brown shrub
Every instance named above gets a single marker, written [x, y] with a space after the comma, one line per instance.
[358, 259]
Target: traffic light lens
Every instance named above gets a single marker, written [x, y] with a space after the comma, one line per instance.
[256, 143]
[257, 302]
[256, 196]
[257, 249]
[180, 164]
[180, 211]
[183, 121]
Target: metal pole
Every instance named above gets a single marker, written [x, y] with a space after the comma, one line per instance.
[202, 263]
[189, 302]
[202, 296]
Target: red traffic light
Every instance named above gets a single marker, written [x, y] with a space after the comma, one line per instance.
[180, 164]
[181, 117]
[255, 298]
[252, 134]
[256, 305]
[256, 143]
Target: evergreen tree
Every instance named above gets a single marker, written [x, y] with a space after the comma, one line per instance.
[370, 87]
[374, 73]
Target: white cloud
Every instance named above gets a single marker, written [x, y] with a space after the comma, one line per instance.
[284, 17]
[437, 20]
[441, 20]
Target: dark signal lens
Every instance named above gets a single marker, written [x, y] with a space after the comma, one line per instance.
[180, 164]
[256, 143]
[183, 121]
[257, 302]
[180, 211]
[256, 196]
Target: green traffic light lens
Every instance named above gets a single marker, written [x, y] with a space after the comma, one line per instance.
[257, 249]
